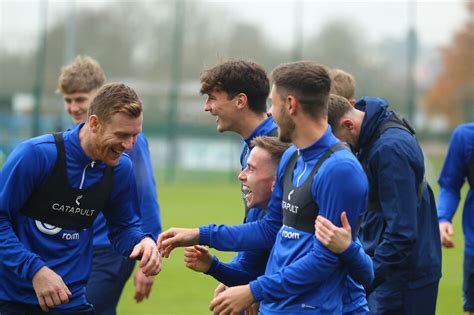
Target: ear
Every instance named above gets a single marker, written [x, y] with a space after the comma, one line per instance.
[94, 123]
[292, 104]
[347, 123]
[242, 101]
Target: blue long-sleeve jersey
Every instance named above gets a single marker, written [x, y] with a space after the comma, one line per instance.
[403, 236]
[452, 178]
[149, 208]
[246, 265]
[27, 245]
[302, 275]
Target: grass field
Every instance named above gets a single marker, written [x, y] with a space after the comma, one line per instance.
[216, 199]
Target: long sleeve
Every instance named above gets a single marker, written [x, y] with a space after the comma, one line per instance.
[398, 200]
[249, 236]
[121, 213]
[453, 176]
[146, 187]
[19, 176]
[245, 267]
[359, 264]
[314, 268]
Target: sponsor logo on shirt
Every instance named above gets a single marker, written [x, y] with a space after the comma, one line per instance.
[72, 209]
[289, 207]
[47, 228]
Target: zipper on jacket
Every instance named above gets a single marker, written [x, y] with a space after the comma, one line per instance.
[84, 173]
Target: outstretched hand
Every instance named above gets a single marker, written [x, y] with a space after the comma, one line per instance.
[336, 239]
[177, 237]
[197, 258]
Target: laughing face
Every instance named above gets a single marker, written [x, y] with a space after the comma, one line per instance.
[258, 178]
[286, 125]
[116, 136]
[218, 104]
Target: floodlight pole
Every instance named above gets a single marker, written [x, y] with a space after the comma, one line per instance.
[176, 65]
[411, 61]
[40, 66]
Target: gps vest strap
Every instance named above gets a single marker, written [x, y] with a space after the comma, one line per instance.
[394, 121]
[58, 204]
[299, 209]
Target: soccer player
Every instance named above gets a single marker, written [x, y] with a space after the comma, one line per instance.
[399, 229]
[78, 83]
[459, 166]
[53, 187]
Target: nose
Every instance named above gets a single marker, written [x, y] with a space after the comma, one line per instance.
[128, 144]
[207, 106]
[242, 176]
[270, 110]
[73, 106]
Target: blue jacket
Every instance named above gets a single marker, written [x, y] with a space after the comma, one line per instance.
[24, 248]
[246, 265]
[302, 275]
[451, 179]
[147, 195]
[403, 236]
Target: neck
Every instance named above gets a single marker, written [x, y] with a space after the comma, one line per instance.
[85, 140]
[248, 123]
[308, 131]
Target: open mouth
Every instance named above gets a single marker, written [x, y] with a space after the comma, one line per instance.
[246, 191]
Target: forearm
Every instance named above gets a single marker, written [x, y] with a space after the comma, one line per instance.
[14, 254]
[448, 201]
[359, 264]
[249, 236]
[305, 274]
[231, 274]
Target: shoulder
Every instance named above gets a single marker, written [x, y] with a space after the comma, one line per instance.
[395, 140]
[286, 158]
[341, 164]
[463, 132]
[42, 145]
[124, 165]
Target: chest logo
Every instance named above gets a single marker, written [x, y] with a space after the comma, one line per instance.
[291, 193]
[47, 228]
[79, 198]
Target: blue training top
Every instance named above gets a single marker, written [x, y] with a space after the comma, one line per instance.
[452, 178]
[27, 245]
[302, 275]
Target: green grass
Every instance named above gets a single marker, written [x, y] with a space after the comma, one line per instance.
[214, 198]
[178, 290]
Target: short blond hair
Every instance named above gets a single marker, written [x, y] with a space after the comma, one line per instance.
[84, 74]
[115, 98]
[272, 145]
[342, 83]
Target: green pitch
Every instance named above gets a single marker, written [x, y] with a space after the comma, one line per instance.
[178, 290]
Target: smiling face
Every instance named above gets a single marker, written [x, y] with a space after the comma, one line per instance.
[258, 178]
[77, 104]
[286, 126]
[218, 104]
[115, 137]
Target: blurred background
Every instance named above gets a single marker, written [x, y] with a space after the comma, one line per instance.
[417, 54]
